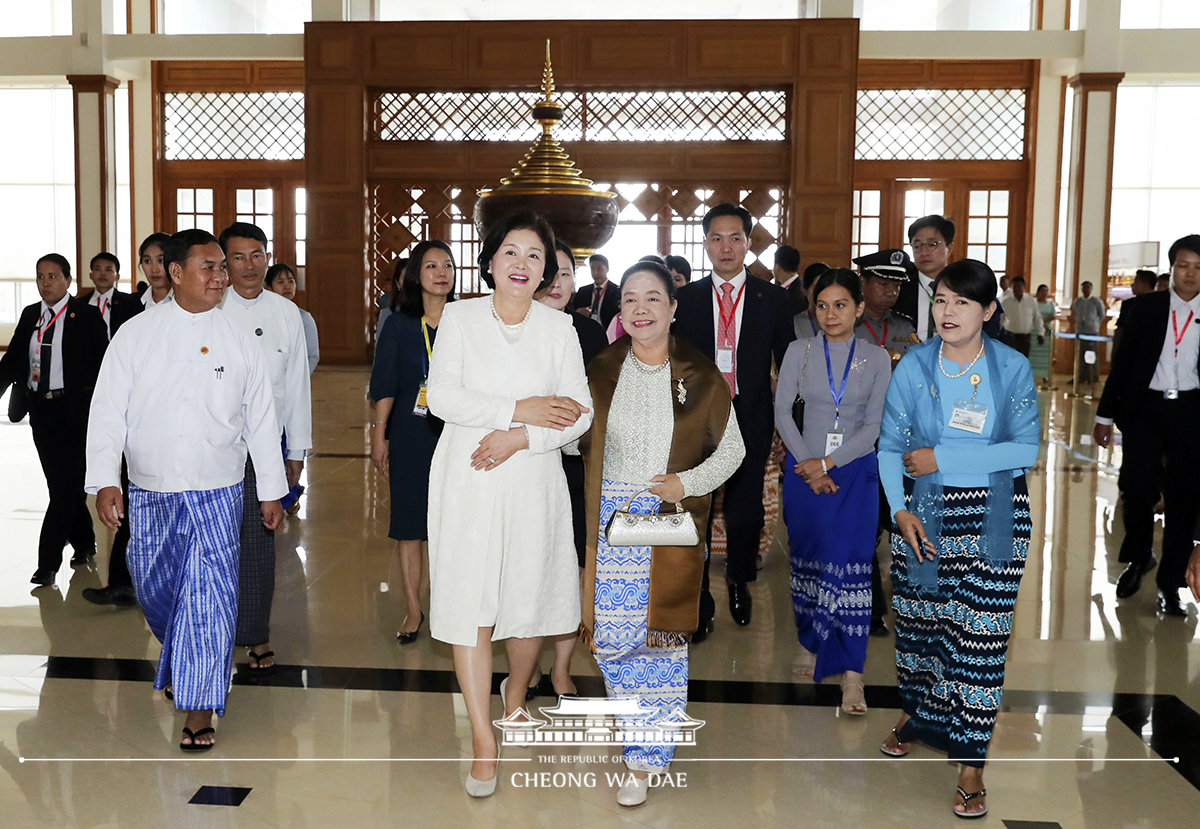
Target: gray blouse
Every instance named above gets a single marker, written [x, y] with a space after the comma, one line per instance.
[862, 402]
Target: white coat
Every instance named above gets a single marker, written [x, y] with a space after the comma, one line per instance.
[519, 511]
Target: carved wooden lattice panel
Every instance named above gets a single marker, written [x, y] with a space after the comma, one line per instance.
[756, 115]
[933, 124]
[404, 214]
[233, 125]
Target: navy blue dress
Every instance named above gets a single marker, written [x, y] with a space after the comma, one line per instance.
[400, 368]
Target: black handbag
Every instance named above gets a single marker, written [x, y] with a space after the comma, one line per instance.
[798, 403]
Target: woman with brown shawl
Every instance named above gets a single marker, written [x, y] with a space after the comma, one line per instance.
[664, 431]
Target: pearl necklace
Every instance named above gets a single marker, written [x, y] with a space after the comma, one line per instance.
[942, 366]
[512, 328]
[643, 368]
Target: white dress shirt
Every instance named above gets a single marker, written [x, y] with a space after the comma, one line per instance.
[738, 282]
[148, 297]
[795, 276]
[103, 301]
[1173, 372]
[274, 323]
[55, 369]
[924, 305]
[1022, 316]
[184, 397]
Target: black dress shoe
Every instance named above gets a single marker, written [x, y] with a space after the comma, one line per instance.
[1168, 603]
[878, 628]
[83, 558]
[119, 596]
[701, 633]
[42, 577]
[1131, 580]
[411, 636]
[740, 603]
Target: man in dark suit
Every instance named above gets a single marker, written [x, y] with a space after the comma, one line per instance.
[786, 273]
[115, 306]
[1153, 395]
[740, 323]
[602, 300]
[52, 362]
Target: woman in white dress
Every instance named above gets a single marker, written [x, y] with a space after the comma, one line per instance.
[507, 378]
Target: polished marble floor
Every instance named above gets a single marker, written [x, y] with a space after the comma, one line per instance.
[355, 730]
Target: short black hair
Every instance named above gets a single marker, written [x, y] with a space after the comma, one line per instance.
[727, 209]
[1191, 242]
[788, 258]
[560, 245]
[970, 278]
[241, 230]
[412, 300]
[57, 259]
[179, 247]
[680, 265]
[159, 239]
[275, 270]
[653, 257]
[521, 220]
[844, 277]
[939, 223]
[811, 273]
[1014, 280]
[599, 257]
[105, 256]
[657, 269]
[1047, 287]
[1147, 278]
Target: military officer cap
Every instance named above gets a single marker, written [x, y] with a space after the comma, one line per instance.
[891, 263]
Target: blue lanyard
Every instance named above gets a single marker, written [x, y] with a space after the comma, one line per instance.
[838, 394]
[813, 323]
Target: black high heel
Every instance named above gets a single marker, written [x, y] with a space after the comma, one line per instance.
[409, 638]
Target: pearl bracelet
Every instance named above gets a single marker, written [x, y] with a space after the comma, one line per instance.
[824, 467]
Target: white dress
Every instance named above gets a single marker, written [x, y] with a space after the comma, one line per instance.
[501, 544]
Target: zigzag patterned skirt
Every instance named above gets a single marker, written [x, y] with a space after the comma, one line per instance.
[951, 646]
[631, 668]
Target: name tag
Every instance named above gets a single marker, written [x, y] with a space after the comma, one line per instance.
[968, 416]
[725, 360]
[834, 438]
[35, 373]
[422, 408]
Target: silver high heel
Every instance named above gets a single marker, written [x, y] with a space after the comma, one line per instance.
[484, 788]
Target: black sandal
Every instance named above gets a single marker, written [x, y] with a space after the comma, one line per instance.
[257, 670]
[169, 693]
[967, 798]
[899, 745]
[193, 746]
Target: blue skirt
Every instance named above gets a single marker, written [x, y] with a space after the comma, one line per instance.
[832, 541]
[951, 646]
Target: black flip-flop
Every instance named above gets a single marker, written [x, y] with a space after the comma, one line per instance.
[260, 671]
[193, 746]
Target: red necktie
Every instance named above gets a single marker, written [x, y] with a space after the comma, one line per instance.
[726, 336]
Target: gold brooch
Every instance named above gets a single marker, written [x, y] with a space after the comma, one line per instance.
[203, 349]
[682, 393]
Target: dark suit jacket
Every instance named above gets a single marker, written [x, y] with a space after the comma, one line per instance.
[1143, 325]
[84, 340]
[610, 303]
[796, 296]
[592, 339]
[766, 331]
[123, 308]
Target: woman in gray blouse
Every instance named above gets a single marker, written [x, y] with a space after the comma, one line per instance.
[831, 483]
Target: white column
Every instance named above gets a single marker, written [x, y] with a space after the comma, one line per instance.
[325, 10]
[840, 8]
[141, 132]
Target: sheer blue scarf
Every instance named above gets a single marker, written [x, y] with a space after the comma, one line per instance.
[916, 409]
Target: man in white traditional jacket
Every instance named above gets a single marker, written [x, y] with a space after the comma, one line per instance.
[275, 324]
[185, 394]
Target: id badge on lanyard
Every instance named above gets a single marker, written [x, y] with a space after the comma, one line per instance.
[968, 415]
[725, 360]
[421, 409]
[835, 437]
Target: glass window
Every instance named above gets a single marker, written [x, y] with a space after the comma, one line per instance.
[233, 125]
[264, 17]
[864, 223]
[987, 228]
[194, 208]
[39, 19]
[963, 15]
[257, 208]
[1160, 14]
[587, 10]
[301, 234]
[929, 124]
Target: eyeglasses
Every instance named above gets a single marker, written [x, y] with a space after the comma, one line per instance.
[920, 246]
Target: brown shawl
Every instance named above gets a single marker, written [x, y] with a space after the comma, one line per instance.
[676, 573]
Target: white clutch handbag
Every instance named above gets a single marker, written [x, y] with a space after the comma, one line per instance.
[671, 529]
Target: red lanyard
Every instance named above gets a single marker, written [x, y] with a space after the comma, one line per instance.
[726, 319]
[41, 328]
[1174, 328]
[878, 341]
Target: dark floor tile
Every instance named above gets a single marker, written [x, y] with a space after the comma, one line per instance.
[219, 796]
[1031, 824]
